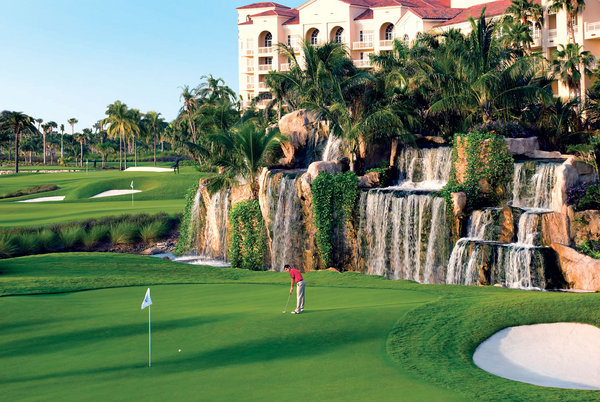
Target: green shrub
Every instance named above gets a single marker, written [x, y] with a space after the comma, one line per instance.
[8, 246]
[184, 243]
[248, 245]
[591, 199]
[95, 235]
[31, 190]
[48, 240]
[590, 247]
[124, 233]
[71, 236]
[153, 231]
[28, 243]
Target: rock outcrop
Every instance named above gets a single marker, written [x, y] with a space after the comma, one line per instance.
[580, 271]
[305, 135]
[522, 146]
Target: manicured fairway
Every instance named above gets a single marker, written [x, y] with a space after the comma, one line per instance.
[161, 192]
[361, 337]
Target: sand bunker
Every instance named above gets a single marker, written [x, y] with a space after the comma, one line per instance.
[112, 193]
[45, 199]
[562, 355]
[148, 169]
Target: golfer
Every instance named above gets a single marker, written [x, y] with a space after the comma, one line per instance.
[299, 281]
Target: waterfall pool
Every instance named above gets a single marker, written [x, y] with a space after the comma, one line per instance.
[194, 260]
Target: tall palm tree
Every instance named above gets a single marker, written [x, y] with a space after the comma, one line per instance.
[155, 123]
[104, 149]
[72, 121]
[62, 133]
[81, 138]
[17, 122]
[572, 8]
[120, 123]
[46, 129]
[214, 88]
[190, 100]
[567, 64]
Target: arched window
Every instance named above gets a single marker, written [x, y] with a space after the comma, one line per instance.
[339, 35]
[406, 39]
[389, 32]
[268, 39]
[314, 37]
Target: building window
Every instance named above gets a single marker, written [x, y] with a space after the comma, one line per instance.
[360, 36]
[314, 37]
[268, 60]
[389, 32]
[289, 42]
[362, 55]
[406, 40]
[268, 39]
[339, 35]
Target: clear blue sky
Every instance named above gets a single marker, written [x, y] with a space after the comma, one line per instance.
[71, 58]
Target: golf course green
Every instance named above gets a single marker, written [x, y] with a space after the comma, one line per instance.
[161, 192]
[71, 328]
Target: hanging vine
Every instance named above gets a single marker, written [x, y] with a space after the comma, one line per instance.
[248, 244]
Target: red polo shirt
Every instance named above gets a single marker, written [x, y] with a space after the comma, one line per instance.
[296, 275]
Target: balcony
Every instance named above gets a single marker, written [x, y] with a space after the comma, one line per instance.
[592, 30]
[363, 45]
[250, 86]
[552, 37]
[364, 63]
[386, 44]
[262, 87]
[536, 35]
[249, 70]
[265, 68]
[247, 52]
[265, 50]
[284, 67]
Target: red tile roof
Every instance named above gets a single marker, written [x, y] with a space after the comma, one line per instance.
[366, 15]
[492, 9]
[285, 13]
[249, 22]
[295, 19]
[262, 5]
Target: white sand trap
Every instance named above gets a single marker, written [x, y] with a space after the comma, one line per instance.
[45, 199]
[112, 193]
[148, 169]
[562, 355]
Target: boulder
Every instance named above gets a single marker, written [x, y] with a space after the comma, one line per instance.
[333, 167]
[580, 271]
[537, 154]
[459, 202]
[585, 225]
[369, 180]
[566, 176]
[555, 229]
[152, 251]
[302, 131]
[522, 146]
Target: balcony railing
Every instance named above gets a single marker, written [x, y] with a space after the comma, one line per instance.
[265, 50]
[364, 63]
[386, 43]
[250, 87]
[362, 45]
[592, 30]
[284, 67]
[262, 86]
[247, 52]
[249, 69]
[551, 37]
[262, 68]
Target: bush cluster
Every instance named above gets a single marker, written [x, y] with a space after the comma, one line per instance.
[584, 196]
[31, 190]
[508, 129]
[248, 245]
[334, 205]
[590, 247]
[184, 243]
[124, 229]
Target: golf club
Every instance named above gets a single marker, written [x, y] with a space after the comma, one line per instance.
[286, 304]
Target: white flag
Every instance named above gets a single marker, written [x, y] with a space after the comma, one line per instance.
[147, 300]
[131, 185]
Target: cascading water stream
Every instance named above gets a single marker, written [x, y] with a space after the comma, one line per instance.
[214, 244]
[333, 149]
[424, 169]
[533, 184]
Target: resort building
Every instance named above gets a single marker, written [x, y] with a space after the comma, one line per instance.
[370, 26]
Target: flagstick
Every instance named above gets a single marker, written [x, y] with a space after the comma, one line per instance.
[149, 341]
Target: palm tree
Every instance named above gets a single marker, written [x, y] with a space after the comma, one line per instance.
[62, 133]
[47, 128]
[517, 24]
[567, 63]
[104, 149]
[17, 122]
[247, 148]
[155, 123]
[72, 121]
[213, 89]
[190, 100]
[119, 123]
[572, 8]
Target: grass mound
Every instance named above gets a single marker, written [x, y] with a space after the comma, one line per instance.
[42, 188]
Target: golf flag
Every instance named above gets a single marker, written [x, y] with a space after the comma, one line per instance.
[147, 300]
[131, 185]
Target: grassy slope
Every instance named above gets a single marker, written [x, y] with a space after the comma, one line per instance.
[236, 344]
[161, 192]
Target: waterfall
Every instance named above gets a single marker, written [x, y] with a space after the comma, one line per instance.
[425, 168]
[403, 236]
[333, 149]
[214, 243]
[533, 183]
[480, 223]
[527, 230]
[286, 226]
